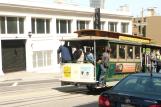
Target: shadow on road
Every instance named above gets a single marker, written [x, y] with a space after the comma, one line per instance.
[82, 90]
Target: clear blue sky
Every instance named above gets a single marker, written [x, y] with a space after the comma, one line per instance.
[135, 6]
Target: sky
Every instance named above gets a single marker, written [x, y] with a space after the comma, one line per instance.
[135, 6]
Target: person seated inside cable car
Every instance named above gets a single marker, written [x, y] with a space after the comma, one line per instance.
[89, 56]
[78, 55]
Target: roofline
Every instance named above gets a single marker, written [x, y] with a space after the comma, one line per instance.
[66, 8]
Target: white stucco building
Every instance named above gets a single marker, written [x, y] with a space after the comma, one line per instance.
[30, 31]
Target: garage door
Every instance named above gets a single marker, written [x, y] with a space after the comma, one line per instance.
[13, 55]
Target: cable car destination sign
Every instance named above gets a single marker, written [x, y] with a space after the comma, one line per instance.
[133, 39]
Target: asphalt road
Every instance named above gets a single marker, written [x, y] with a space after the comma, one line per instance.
[50, 94]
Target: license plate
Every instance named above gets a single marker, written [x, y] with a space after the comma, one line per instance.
[126, 105]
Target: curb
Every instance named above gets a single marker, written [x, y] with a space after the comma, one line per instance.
[15, 83]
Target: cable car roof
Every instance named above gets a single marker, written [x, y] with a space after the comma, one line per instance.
[100, 33]
[106, 35]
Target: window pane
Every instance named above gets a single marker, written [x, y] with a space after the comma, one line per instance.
[77, 25]
[21, 25]
[81, 25]
[33, 25]
[45, 58]
[115, 27]
[129, 52]
[40, 59]
[63, 26]
[144, 31]
[40, 25]
[140, 29]
[47, 26]
[137, 85]
[49, 58]
[124, 27]
[57, 26]
[102, 25]
[11, 25]
[122, 51]
[2, 26]
[69, 26]
[112, 26]
[87, 25]
[137, 52]
[34, 59]
[113, 50]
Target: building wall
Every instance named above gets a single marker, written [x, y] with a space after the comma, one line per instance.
[50, 42]
[153, 28]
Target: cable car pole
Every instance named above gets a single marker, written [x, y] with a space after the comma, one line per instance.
[97, 25]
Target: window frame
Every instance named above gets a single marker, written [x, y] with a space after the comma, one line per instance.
[139, 47]
[124, 52]
[5, 25]
[128, 56]
[67, 24]
[113, 50]
[86, 24]
[112, 28]
[34, 25]
[45, 60]
[102, 25]
[124, 27]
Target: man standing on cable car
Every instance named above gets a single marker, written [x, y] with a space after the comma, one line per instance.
[65, 53]
[104, 64]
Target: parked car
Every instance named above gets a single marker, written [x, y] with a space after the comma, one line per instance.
[135, 90]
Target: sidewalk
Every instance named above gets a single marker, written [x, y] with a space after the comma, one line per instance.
[23, 76]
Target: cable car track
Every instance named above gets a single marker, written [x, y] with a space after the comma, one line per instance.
[52, 95]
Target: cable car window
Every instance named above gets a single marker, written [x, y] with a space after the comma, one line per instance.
[113, 50]
[137, 52]
[129, 52]
[122, 51]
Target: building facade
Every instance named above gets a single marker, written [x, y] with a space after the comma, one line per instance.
[148, 27]
[153, 29]
[31, 31]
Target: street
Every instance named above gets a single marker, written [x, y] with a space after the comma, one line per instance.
[49, 94]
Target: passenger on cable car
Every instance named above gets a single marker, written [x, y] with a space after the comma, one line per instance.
[89, 56]
[104, 64]
[78, 54]
[65, 53]
[158, 60]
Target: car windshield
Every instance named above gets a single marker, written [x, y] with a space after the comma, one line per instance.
[140, 84]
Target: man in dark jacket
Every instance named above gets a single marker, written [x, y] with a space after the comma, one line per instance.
[65, 53]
